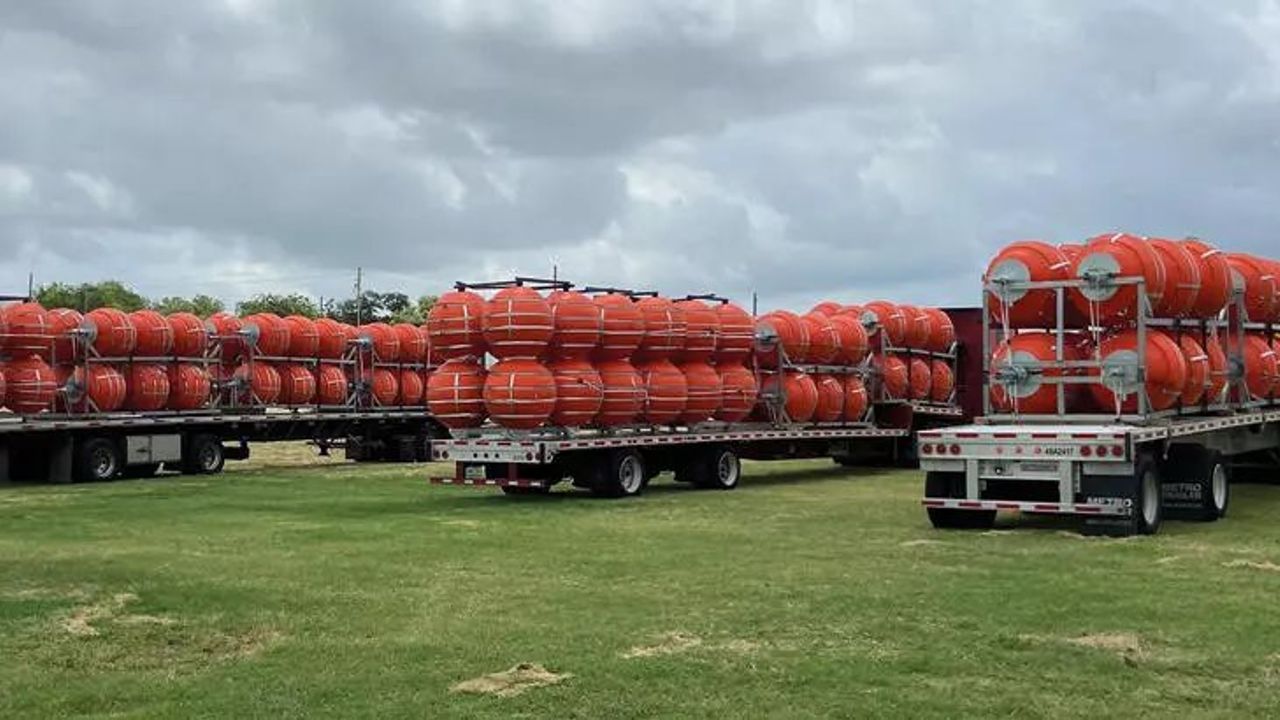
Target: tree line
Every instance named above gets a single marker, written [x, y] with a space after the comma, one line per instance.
[392, 307]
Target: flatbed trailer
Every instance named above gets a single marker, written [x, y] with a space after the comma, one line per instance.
[96, 447]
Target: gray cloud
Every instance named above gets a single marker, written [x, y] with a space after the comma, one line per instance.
[799, 149]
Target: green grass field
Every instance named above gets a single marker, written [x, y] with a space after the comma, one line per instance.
[811, 591]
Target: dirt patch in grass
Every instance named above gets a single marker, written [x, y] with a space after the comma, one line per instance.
[512, 682]
[222, 646]
[668, 644]
[1127, 646]
[81, 620]
[1264, 566]
[921, 543]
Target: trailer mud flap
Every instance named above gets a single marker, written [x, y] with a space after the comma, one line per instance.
[1184, 499]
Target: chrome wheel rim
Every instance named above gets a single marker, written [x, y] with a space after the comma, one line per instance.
[630, 475]
[727, 470]
[1218, 485]
[1150, 498]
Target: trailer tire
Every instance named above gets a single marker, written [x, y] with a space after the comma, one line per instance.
[97, 459]
[949, 485]
[624, 475]
[1147, 513]
[1206, 472]
[203, 455]
[716, 468]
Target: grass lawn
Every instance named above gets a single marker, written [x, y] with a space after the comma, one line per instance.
[811, 591]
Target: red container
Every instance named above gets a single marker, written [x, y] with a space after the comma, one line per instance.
[1215, 279]
[578, 323]
[331, 338]
[738, 393]
[413, 343]
[579, 392]
[702, 330]
[799, 392]
[227, 328]
[28, 331]
[1166, 371]
[623, 327]
[1032, 396]
[942, 382]
[304, 337]
[1198, 371]
[99, 388]
[1255, 276]
[1261, 367]
[190, 336]
[942, 332]
[737, 335]
[1219, 371]
[30, 385]
[190, 386]
[411, 388]
[518, 324]
[455, 393]
[148, 387]
[111, 334]
[830, 407]
[297, 384]
[824, 339]
[382, 339]
[919, 327]
[1117, 255]
[666, 392]
[895, 377]
[154, 336]
[382, 384]
[455, 327]
[665, 329]
[331, 384]
[257, 384]
[1026, 261]
[623, 393]
[1182, 278]
[827, 307]
[886, 316]
[853, 343]
[856, 401]
[520, 394]
[704, 392]
[785, 328]
[268, 334]
[920, 379]
[62, 322]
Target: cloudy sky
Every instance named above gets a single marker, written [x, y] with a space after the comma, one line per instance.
[801, 149]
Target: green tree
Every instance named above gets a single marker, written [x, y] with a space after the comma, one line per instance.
[282, 305]
[200, 305]
[90, 296]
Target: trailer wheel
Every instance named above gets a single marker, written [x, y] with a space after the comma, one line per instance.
[1197, 484]
[203, 455]
[624, 475]
[950, 485]
[97, 460]
[716, 468]
[1147, 512]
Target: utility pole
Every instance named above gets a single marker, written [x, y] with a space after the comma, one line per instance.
[31, 285]
[359, 293]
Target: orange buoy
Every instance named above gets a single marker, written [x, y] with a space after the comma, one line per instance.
[110, 332]
[410, 388]
[702, 327]
[889, 317]
[1018, 383]
[738, 391]
[94, 388]
[455, 326]
[579, 392]
[830, 407]
[332, 386]
[226, 329]
[1215, 279]
[824, 339]
[297, 384]
[267, 333]
[895, 377]
[1254, 277]
[577, 324]
[942, 382]
[919, 327]
[785, 329]
[737, 335]
[798, 392]
[665, 391]
[380, 339]
[622, 327]
[1198, 382]
[520, 394]
[704, 391]
[154, 336]
[190, 336]
[920, 379]
[382, 385]
[258, 383]
[827, 307]
[1117, 256]
[30, 385]
[331, 338]
[455, 393]
[853, 345]
[28, 331]
[190, 386]
[304, 337]
[518, 324]
[856, 401]
[1019, 262]
[942, 332]
[1261, 366]
[624, 393]
[1166, 372]
[148, 387]
[665, 328]
[1219, 371]
[1182, 278]
[62, 324]
[854, 311]
[413, 343]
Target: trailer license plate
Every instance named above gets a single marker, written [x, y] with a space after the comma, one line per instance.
[473, 472]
